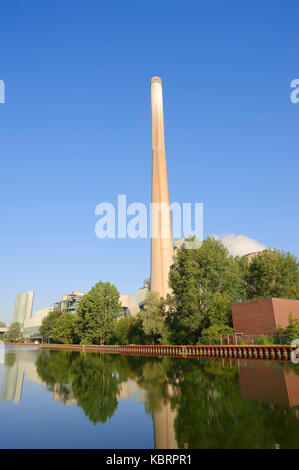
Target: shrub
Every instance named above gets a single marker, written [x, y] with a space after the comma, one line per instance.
[264, 339]
[212, 334]
[292, 331]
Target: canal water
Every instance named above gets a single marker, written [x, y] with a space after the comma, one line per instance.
[64, 399]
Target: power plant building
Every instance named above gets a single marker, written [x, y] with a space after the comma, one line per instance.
[32, 325]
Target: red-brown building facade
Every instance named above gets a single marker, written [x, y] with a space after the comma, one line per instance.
[263, 317]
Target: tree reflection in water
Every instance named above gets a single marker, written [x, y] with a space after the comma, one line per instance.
[201, 400]
[93, 382]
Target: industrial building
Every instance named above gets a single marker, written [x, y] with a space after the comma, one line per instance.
[264, 316]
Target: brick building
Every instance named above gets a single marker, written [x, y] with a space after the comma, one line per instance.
[263, 317]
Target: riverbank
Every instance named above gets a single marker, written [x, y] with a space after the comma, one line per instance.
[273, 352]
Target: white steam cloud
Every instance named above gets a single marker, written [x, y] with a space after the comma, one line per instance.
[240, 245]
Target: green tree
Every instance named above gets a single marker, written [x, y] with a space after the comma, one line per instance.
[2, 324]
[63, 332]
[272, 273]
[221, 313]
[14, 333]
[153, 318]
[49, 323]
[136, 333]
[97, 313]
[292, 330]
[121, 331]
[128, 330]
[213, 333]
[203, 280]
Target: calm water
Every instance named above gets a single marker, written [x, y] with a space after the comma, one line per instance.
[63, 399]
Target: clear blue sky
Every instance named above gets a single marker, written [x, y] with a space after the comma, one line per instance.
[75, 130]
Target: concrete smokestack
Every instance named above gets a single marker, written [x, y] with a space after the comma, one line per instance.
[161, 232]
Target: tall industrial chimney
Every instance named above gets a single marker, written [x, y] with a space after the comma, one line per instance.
[161, 232]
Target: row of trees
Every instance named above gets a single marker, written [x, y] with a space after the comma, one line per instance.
[93, 322]
[204, 282]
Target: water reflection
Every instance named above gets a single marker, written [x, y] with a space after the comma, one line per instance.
[17, 363]
[269, 384]
[194, 403]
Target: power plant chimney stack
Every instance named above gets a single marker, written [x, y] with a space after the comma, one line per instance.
[161, 231]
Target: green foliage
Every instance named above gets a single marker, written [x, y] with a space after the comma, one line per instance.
[204, 281]
[272, 273]
[153, 319]
[63, 332]
[221, 313]
[14, 333]
[212, 334]
[49, 324]
[2, 324]
[241, 341]
[97, 314]
[126, 331]
[292, 331]
[264, 340]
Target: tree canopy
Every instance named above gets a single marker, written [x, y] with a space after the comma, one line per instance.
[49, 324]
[292, 330]
[153, 318]
[63, 332]
[205, 282]
[14, 333]
[128, 330]
[97, 313]
[272, 273]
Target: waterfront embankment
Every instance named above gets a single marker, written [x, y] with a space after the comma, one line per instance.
[273, 352]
